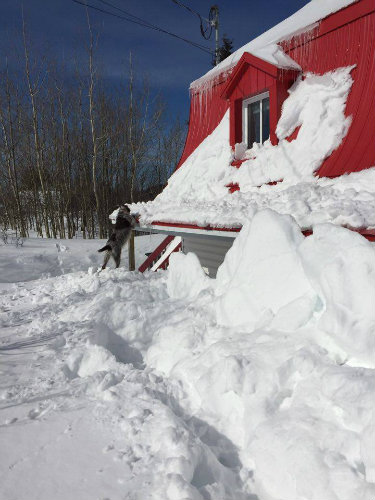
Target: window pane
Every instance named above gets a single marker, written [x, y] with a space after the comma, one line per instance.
[265, 119]
[253, 123]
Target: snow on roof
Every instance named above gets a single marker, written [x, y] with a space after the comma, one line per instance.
[197, 192]
[266, 45]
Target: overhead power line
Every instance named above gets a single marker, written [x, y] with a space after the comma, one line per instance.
[207, 31]
[211, 23]
[139, 21]
[180, 4]
[123, 11]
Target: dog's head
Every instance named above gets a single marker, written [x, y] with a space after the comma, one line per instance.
[123, 210]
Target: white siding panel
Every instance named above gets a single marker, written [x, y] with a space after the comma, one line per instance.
[210, 250]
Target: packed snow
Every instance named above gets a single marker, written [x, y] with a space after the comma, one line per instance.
[266, 45]
[257, 385]
[196, 193]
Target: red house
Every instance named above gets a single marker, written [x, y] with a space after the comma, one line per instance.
[253, 84]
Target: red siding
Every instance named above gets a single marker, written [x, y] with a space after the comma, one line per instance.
[252, 82]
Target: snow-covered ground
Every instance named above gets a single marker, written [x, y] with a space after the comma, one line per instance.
[44, 258]
[255, 386]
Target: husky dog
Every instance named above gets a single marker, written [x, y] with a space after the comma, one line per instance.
[120, 236]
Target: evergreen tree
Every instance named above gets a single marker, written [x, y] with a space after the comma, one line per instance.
[225, 49]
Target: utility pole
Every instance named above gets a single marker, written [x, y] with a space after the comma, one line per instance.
[215, 25]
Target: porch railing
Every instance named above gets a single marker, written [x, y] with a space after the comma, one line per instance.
[159, 258]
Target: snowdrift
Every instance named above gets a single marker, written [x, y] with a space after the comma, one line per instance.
[280, 356]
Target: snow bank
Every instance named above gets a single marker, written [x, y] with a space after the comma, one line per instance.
[266, 45]
[274, 356]
[197, 194]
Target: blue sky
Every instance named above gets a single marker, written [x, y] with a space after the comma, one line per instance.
[59, 27]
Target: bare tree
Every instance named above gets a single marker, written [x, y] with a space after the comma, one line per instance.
[71, 148]
[33, 89]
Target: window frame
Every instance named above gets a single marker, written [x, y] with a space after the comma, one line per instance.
[245, 104]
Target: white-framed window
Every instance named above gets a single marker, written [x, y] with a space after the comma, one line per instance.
[256, 119]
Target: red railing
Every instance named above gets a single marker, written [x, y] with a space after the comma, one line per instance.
[153, 258]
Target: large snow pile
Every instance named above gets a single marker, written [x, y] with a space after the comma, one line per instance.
[172, 386]
[277, 361]
[266, 45]
[197, 193]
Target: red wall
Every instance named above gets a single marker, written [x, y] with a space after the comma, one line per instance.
[252, 82]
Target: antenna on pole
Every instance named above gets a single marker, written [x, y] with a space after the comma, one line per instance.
[215, 24]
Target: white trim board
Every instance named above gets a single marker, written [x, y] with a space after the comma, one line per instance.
[245, 103]
[168, 251]
[185, 230]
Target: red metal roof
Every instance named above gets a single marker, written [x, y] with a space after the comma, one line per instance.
[342, 39]
[207, 109]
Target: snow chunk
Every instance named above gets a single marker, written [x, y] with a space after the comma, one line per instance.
[341, 268]
[271, 269]
[186, 278]
[261, 272]
[93, 359]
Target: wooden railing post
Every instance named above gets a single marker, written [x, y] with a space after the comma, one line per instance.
[131, 252]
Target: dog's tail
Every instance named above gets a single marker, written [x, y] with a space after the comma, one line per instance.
[107, 247]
